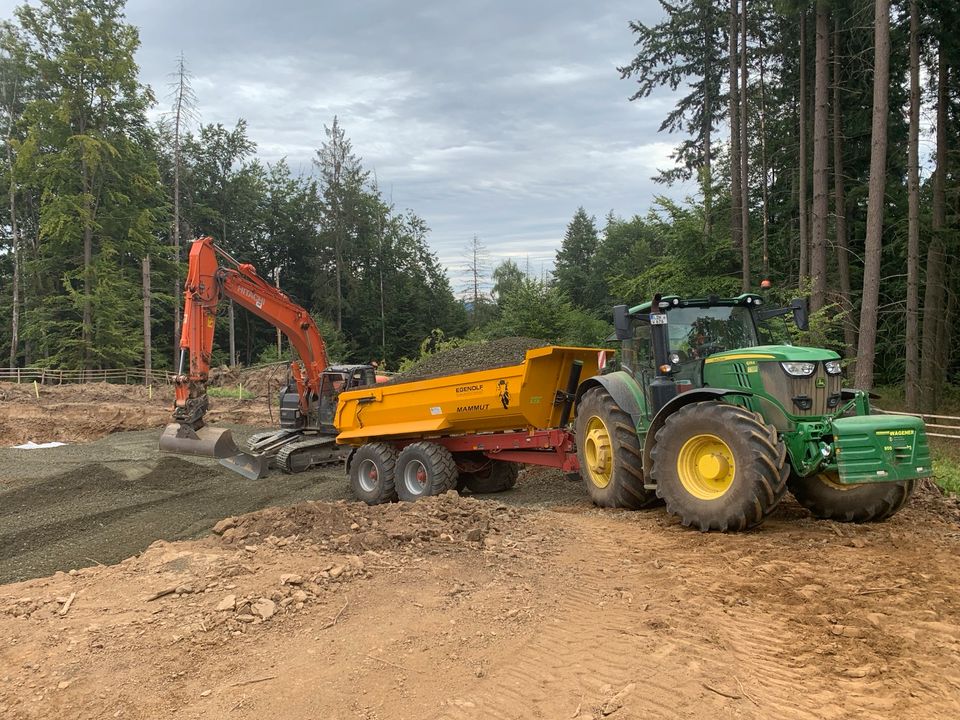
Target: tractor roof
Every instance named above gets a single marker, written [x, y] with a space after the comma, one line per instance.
[673, 301]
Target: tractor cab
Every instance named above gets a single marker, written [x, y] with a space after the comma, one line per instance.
[696, 333]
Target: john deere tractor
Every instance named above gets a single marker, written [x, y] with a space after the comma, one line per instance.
[714, 414]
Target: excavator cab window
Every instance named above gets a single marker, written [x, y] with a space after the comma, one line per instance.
[331, 385]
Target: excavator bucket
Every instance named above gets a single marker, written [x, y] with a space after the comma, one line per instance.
[213, 443]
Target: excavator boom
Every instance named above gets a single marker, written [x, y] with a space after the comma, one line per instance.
[213, 274]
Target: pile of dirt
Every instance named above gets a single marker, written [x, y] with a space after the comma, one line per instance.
[86, 392]
[354, 525]
[471, 358]
[261, 382]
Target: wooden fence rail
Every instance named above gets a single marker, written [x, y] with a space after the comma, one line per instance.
[51, 376]
[945, 426]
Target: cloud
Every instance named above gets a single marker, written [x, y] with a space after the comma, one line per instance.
[485, 117]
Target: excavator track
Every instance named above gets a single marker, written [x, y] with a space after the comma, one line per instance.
[251, 443]
[311, 452]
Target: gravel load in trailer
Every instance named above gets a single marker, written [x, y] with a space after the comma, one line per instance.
[470, 358]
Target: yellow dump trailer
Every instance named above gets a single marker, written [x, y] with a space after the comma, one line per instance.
[427, 436]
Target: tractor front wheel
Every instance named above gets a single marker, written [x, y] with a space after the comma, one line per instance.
[828, 499]
[611, 460]
[719, 467]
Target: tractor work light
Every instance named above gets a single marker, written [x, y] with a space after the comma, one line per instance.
[798, 369]
[833, 367]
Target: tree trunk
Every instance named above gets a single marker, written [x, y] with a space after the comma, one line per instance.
[764, 170]
[233, 334]
[706, 178]
[804, 243]
[840, 208]
[818, 250]
[736, 200]
[934, 305]
[744, 155]
[176, 234]
[147, 334]
[911, 339]
[15, 251]
[875, 201]
[87, 326]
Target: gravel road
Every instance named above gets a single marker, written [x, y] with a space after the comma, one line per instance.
[101, 502]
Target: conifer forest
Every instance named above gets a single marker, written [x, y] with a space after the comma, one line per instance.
[815, 143]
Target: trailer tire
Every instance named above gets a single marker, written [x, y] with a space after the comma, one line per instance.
[423, 469]
[373, 469]
[719, 466]
[824, 496]
[499, 477]
[611, 459]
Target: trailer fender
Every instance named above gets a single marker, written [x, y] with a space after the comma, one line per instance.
[675, 403]
[623, 389]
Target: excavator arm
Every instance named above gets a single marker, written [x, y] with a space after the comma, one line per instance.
[208, 281]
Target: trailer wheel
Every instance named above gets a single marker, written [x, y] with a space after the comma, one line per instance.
[611, 460]
[423, 469]
[828, 499]
[372, 472]
[719, 467]
[498, 477]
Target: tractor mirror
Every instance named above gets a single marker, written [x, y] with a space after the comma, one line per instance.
[800, 317]
[621, 322]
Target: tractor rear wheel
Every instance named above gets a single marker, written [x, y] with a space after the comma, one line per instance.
[424, 469]
[719, 467]
[828, 499]
[611, 460]
[372, 473]
[497, 477]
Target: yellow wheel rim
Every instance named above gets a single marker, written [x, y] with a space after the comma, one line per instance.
[598, 452]
[706, 467]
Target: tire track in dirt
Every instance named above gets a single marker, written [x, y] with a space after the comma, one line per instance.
[720, 626]
[594, 647]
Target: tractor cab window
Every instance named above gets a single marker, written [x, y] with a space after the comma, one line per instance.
[638, 353]
[697, 332]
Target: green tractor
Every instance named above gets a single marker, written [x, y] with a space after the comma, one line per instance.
[714, 414]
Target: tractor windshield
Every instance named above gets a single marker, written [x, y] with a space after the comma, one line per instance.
[696, 332]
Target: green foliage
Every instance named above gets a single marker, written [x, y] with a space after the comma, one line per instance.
[946, 468]
[540, 310]
[231, 392]
[679, 260]
[572, 269]
[436, 342]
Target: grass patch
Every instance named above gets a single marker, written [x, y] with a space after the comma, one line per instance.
[946, 465]
[233, 393]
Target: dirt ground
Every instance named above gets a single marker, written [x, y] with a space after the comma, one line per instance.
[524, 604]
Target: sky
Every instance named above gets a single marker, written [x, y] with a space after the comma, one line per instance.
[487, 118]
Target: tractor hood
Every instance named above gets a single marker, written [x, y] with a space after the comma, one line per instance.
[781, 353]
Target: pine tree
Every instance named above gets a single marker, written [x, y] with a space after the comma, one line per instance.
[89, 151]
[572, 269]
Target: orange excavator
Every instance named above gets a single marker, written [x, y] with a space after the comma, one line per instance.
[307, 402]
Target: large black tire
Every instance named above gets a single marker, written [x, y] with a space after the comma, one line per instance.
[497, 477]
[611, 460]
[719, 467]
[423, 469]
[373, 471]
[823, 495]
